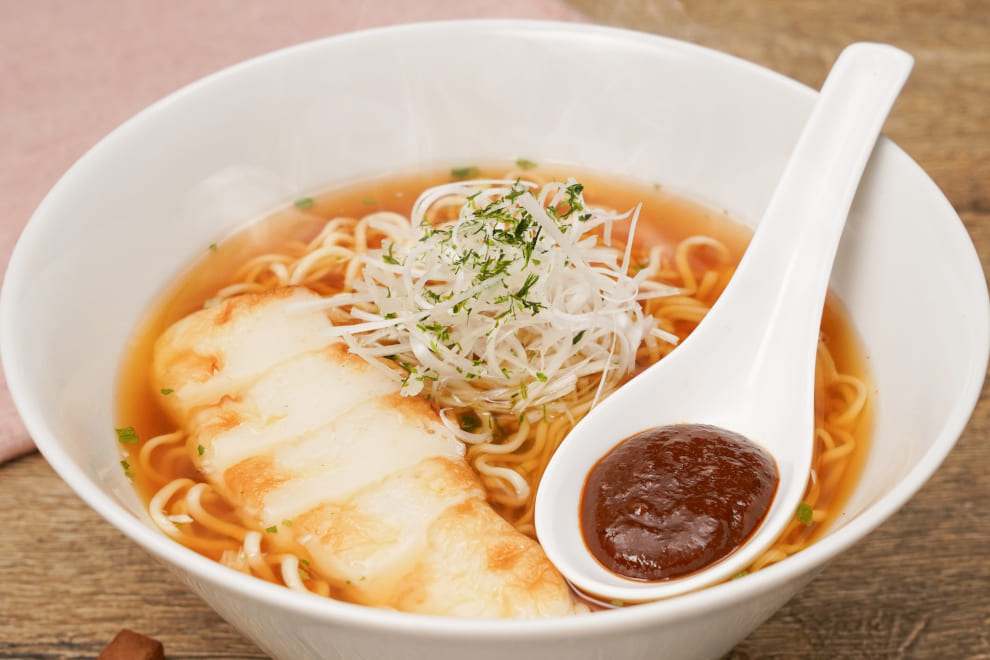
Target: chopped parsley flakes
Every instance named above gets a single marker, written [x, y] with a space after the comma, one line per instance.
[464, 172]
[127, 469]
[127, 435]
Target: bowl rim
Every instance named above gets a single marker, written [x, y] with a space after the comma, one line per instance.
[806, 562]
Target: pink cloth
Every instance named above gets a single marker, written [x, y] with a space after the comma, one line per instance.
[72, 71]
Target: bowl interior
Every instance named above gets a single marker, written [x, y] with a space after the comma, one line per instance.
[188, 170]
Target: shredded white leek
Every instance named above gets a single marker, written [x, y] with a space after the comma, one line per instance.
[510, 305]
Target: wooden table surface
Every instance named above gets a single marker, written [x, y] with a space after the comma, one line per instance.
[918, 587]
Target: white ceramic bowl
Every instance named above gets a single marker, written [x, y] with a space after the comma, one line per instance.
[186, 171]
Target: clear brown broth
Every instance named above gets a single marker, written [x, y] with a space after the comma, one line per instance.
[665, 219]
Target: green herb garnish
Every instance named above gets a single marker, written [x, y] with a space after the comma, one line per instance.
[201, 449]
[272, 530]
[805, 514]
[525, 164]
[469, 423]
[167, 390]
[464, 172]
[388, 258]
[304, 203]
[127, 435]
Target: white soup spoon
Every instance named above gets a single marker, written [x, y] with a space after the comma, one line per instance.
[749, 367]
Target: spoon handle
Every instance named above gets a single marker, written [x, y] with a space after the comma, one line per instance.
[807, 213]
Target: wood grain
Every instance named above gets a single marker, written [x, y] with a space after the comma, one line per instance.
[918, 587]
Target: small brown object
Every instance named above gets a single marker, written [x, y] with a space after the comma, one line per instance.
[129, 645]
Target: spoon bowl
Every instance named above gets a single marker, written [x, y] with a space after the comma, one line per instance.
[749, 365]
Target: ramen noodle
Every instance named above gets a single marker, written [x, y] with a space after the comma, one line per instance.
[401, 277]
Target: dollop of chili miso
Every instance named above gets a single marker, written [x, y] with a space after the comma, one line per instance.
[673, 500]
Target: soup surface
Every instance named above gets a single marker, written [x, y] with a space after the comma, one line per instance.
[685, 244]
